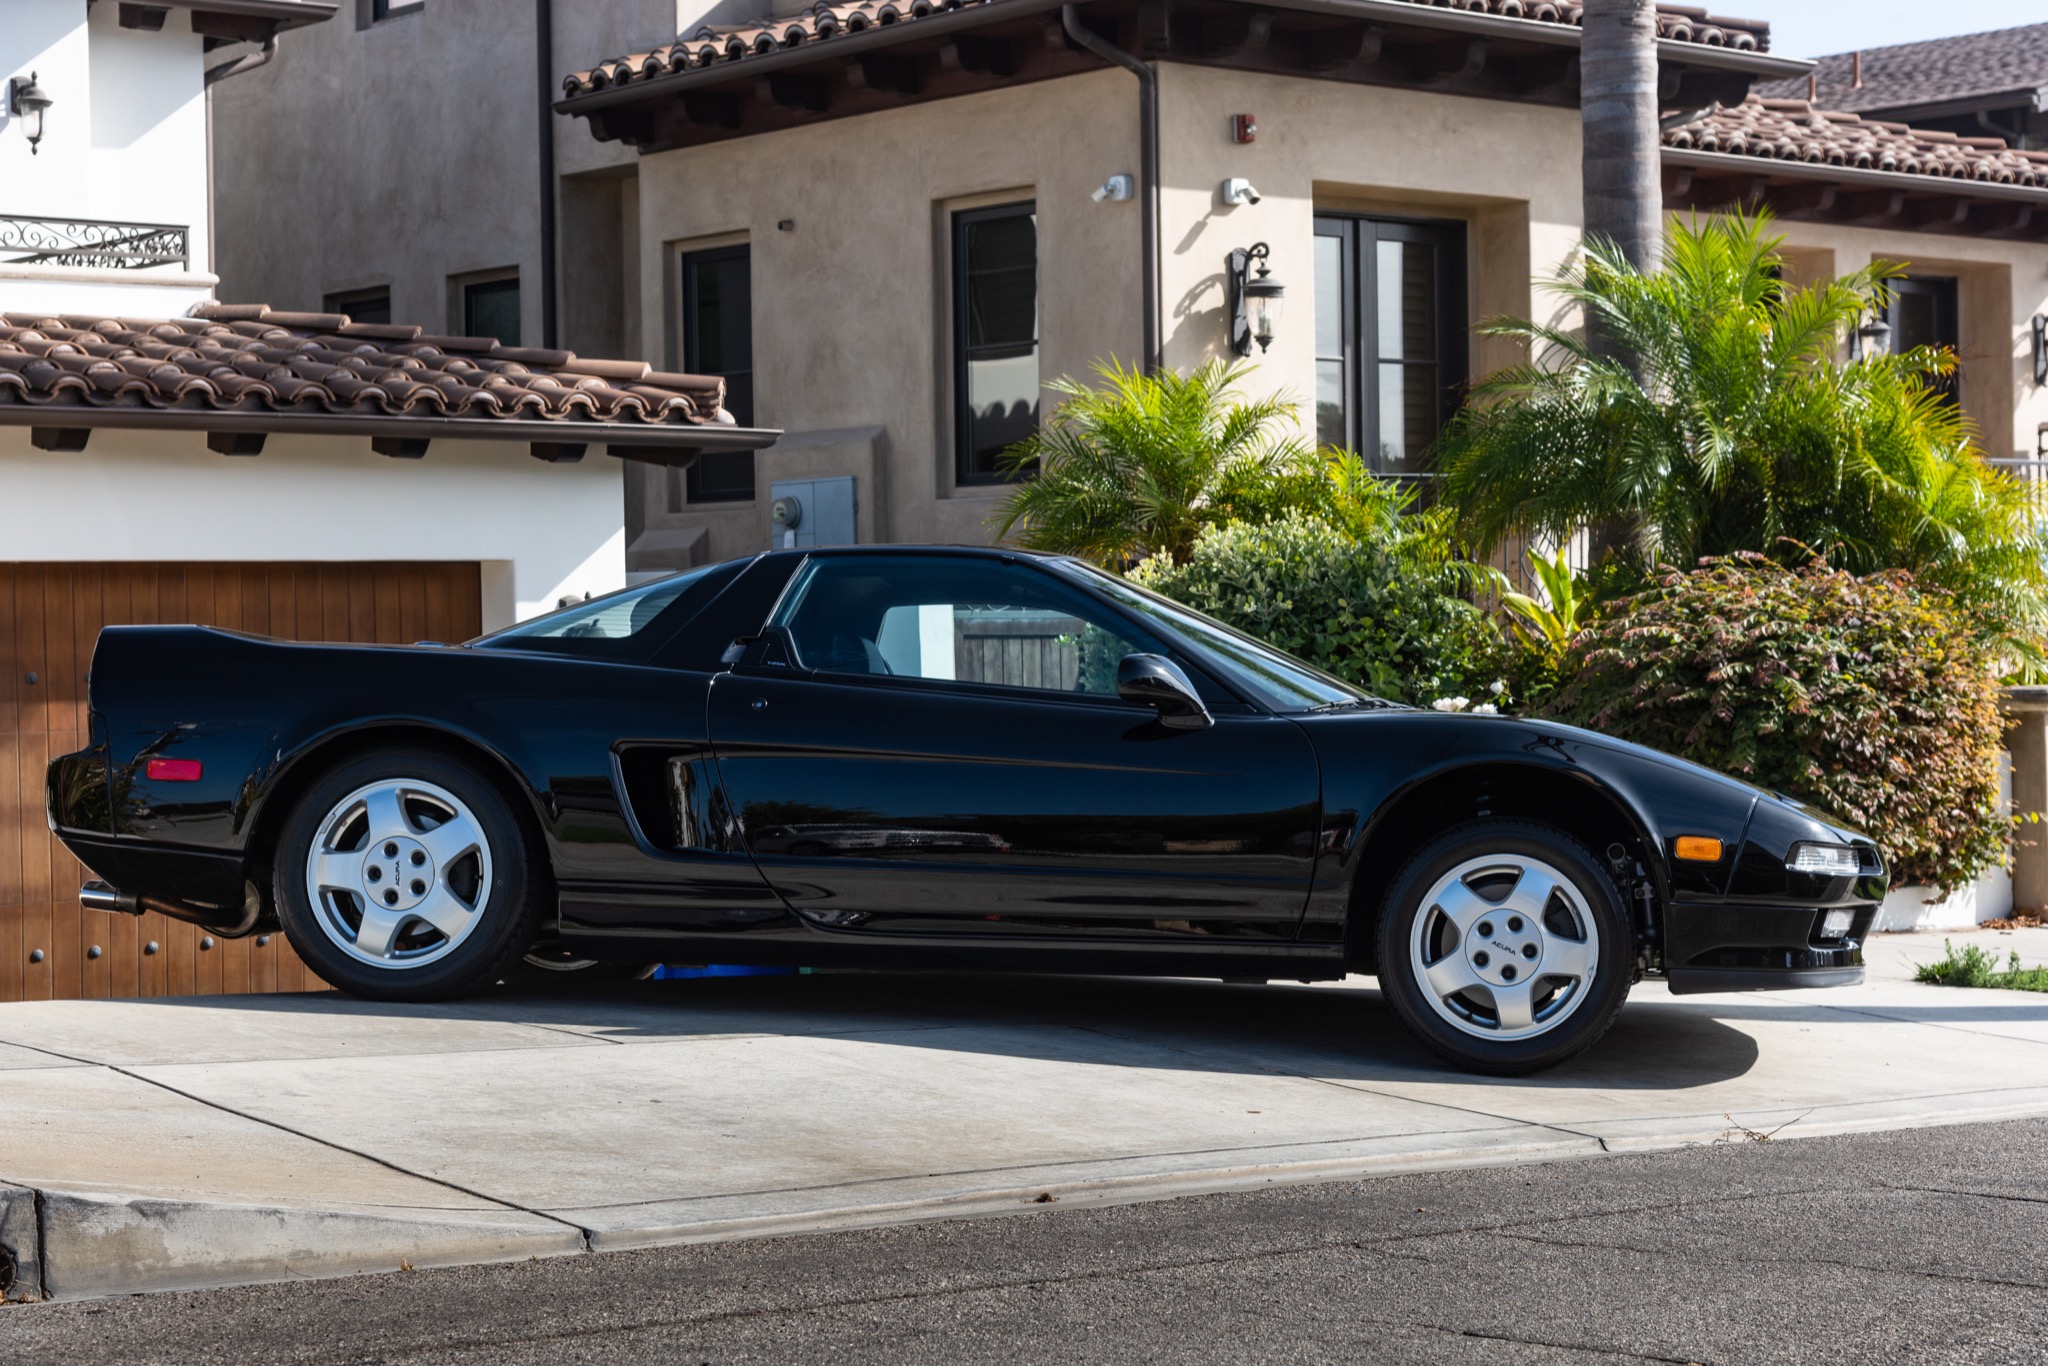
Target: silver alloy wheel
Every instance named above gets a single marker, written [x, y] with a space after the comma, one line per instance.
[1505, 947]
[399, 873]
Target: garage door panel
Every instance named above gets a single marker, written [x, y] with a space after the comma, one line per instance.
[50, 616]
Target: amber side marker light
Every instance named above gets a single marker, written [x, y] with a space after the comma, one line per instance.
[1699, 849]
[176, 771]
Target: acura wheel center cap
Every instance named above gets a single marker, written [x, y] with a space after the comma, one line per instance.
[398, 873]
[1505, 948]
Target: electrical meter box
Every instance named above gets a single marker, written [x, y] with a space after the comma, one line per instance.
[806, 512]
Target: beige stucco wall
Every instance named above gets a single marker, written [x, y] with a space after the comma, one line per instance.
[851, 304]
[1326, 146]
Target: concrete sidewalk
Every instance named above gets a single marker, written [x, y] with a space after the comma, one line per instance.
[184, 1143]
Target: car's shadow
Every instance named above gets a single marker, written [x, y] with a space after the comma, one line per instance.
[1335, 1032]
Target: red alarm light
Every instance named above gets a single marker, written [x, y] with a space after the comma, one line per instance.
[1244, 127]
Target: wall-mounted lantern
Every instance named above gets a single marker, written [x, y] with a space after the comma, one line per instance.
[1872, 338]
[1255, 301]
[2041, 348]
[25, 97]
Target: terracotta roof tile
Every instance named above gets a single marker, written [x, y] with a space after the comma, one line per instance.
[1794, 130]
[826, 20]
[249, 359]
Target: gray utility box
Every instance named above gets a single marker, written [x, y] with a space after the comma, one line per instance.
[804, 512]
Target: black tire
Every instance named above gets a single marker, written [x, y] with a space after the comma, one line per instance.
[496, 903]
[1513, 1018]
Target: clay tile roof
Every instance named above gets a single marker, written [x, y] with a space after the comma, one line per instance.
[2012, 61]
[1794, 130]
[248, 359]
[825, 20]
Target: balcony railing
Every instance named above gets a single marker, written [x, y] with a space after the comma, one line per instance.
[92, 244]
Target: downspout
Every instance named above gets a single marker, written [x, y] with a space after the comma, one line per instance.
[248, 61]
[1148, 166]
[544, 56]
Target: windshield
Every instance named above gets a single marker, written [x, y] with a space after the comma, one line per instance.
[1278, 681]
[615, 616]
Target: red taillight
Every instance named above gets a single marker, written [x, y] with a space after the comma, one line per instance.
[173, 770]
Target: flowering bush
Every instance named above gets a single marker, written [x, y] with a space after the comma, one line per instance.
[1867, 697]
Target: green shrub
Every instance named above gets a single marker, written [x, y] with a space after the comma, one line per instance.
[1360, 610]
[1974, 967]
[1867, 697]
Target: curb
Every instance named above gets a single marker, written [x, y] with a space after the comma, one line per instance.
[71, 1245]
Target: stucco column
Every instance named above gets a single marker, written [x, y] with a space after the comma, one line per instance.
[2026, 738]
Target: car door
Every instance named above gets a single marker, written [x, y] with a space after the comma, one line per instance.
[932, 742]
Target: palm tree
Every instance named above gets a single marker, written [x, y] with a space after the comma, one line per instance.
[1620, 164]
[1721, 420]
[1143, 463]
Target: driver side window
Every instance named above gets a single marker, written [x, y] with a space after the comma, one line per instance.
[964, 619]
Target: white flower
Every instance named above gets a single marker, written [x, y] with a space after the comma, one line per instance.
[1486, 709]
[1451, 703]
[1500, 686]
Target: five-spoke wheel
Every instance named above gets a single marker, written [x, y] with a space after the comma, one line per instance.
[403, 875]
[1503, 946]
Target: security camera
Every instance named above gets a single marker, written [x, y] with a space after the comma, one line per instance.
[1116, 189]
[1238, 190]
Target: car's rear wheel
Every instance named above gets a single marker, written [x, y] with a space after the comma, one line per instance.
[403, 875]
[1505, 947]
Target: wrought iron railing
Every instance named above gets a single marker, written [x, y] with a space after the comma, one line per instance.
[91, 243]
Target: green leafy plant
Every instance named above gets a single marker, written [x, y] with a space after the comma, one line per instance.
[1974, 967]
[1144, 463]
[1548, 626]
[1358, 609]
[1717, 417]
[1868, 697]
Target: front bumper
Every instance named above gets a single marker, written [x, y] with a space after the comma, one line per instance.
[1722, 947]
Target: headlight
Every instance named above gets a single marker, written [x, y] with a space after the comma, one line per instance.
[1829, 860]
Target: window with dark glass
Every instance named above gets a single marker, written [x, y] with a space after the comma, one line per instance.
[1923, 313]
[1390, 336]
[490, 308]
[386, 9]
[361, 305]
[718, 339]
[995, 338]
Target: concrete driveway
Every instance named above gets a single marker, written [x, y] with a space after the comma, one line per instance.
[160, 1144]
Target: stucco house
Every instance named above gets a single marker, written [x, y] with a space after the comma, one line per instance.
[168, 457]
[888, 223]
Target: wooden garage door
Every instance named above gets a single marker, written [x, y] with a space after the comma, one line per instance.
[49, 617]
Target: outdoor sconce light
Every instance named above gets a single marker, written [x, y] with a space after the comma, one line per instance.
[1873, 338]
[1255, 301]
[25, 97]
[2041, 348]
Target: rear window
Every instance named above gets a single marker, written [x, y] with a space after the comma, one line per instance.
[627, 624]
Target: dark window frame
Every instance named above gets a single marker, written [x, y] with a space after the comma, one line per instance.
[380, 10]
[349, 301]
[468, 290]
[690, 343]
[1359, 236]
[963, 415]
[1945, 293]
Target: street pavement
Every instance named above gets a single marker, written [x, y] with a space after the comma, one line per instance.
[201, 1142]
[1929, 1245]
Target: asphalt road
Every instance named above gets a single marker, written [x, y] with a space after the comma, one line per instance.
[1925, 1245]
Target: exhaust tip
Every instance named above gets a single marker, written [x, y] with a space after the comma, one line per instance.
[98, 896]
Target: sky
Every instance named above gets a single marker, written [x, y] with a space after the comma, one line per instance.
[1816, 28]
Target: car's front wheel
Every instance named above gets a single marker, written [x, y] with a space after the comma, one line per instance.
[1504, 947]
[402, 875]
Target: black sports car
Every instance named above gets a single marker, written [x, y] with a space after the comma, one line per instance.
[932, 757]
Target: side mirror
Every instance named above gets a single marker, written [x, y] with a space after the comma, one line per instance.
[1159, 683]
[773, 648]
